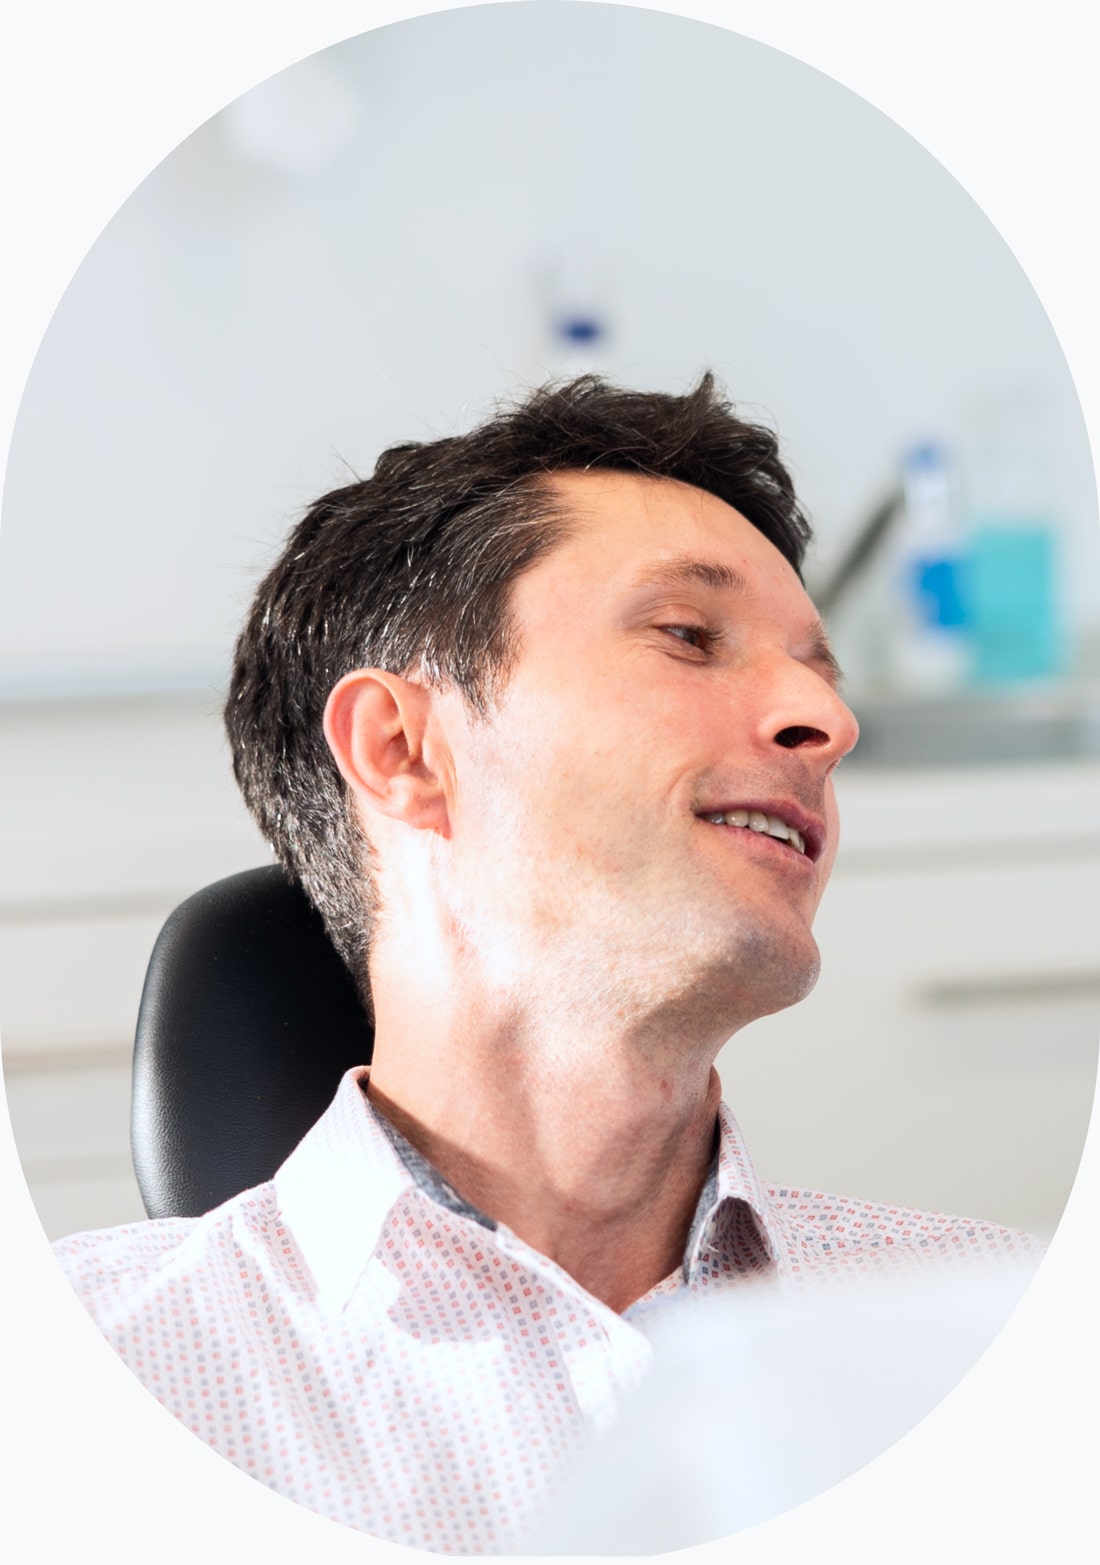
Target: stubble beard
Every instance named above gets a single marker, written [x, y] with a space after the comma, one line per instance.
[665, 967]
[586, 939]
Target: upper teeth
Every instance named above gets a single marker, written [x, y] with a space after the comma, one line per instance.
[756, 820]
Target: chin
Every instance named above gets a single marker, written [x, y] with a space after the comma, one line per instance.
[795, 988]
[768, 969]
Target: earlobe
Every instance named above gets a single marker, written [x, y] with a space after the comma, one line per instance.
[378, 727]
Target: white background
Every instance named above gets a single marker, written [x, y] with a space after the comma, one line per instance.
[374, 245]
[93, 98]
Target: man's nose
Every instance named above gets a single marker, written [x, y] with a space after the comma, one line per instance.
[807, 713]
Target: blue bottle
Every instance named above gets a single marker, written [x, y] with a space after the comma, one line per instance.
[929, 649]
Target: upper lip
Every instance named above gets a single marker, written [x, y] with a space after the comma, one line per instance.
[811, 827]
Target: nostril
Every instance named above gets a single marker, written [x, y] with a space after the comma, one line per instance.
[794, 738]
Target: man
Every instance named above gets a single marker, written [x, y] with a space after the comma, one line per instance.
[545, 723]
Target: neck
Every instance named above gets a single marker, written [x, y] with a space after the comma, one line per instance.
[589, 1139]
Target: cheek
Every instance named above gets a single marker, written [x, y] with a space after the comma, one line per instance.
[581, 778]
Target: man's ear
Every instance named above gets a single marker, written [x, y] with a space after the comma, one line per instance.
[378, 728]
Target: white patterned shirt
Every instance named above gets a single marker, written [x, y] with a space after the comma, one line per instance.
[359, 1338]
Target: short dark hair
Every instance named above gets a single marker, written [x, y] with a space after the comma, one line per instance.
[412, 569]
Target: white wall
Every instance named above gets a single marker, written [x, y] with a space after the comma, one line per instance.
[357, 252]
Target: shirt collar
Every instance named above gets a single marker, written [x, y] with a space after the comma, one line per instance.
[337, 1187]
[731, 1186]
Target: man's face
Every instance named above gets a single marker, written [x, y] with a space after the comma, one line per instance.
[671, 672]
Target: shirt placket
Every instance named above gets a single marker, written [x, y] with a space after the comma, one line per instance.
[606, 1365]
[604, 1356]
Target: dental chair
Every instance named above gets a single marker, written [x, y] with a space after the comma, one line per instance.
[248, 1020]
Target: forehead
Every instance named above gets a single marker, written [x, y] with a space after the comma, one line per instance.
[625, 528]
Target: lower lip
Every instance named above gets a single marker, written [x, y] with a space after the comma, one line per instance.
[775, 850]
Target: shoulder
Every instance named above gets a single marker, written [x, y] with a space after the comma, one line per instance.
[835, 1230]
[107, 1252]
[117, 1272]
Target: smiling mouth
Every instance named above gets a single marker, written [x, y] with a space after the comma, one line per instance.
[764, 824]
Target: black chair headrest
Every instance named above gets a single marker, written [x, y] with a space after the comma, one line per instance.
[248, 1020]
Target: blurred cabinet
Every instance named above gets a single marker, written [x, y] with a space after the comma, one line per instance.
[111, 812]
[946, 1059]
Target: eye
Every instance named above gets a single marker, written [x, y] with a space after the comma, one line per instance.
[700, 637]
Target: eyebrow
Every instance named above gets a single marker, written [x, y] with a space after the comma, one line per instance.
[687, 568]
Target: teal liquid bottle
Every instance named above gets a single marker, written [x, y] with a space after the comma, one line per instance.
[1013, 567]
[1016, 630]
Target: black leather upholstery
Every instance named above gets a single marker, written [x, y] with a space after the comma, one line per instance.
[248, 1020]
